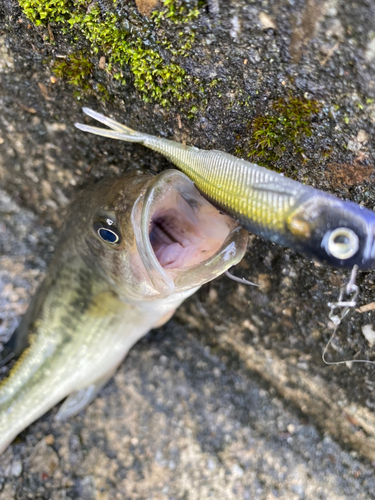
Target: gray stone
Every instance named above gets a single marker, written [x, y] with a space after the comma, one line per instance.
[230, 399]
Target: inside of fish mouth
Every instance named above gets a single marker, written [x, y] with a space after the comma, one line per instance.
[185, 230]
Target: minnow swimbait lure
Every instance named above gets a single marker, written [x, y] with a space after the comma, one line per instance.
[132, 250]
[314, 223]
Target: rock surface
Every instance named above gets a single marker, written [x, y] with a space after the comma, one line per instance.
[231, 398]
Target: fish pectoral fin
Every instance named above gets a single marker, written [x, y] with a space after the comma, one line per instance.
[164, 319]
[78, 400]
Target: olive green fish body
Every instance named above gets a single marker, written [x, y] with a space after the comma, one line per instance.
[106, 288]
[81, 334]
[319, 225]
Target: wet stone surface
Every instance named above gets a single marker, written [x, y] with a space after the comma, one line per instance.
[230, 399]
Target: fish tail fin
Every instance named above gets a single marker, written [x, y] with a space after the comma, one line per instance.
[119, 131]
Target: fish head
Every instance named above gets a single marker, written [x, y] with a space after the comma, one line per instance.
[340, 233]
[152, 236]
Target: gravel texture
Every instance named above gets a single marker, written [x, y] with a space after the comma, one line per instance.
[231, 398]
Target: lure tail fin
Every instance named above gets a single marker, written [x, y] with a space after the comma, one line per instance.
[119, 131]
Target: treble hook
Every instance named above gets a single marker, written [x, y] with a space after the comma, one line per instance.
[244, 281]
[351, 291]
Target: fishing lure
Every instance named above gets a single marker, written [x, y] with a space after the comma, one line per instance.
[307, 220]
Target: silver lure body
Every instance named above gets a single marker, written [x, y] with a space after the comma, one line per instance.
[314, 223]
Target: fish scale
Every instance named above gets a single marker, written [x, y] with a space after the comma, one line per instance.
[99, 298]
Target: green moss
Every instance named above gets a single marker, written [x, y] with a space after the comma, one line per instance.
[76, 70]
[153, 77]
[177, 11]
[52, 11]
[186, 43]
[284, 127]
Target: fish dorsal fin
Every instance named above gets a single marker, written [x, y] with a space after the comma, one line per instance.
[19, 340]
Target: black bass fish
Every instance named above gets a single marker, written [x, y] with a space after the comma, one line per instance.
[307, 220]
[132, 250]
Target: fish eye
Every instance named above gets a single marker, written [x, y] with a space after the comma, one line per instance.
[342, 243]
[106, 233]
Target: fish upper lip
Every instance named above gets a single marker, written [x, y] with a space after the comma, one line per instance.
[161, 280]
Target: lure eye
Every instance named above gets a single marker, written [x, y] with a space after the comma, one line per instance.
[342, 243]
[105, 233]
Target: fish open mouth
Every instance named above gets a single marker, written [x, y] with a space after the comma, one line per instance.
[185, 231]
[186, 241]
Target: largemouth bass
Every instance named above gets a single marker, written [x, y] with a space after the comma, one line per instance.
[132, 250]
[307, 220]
